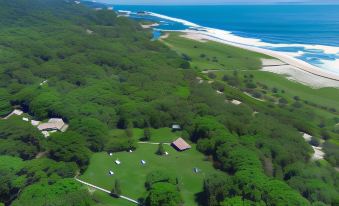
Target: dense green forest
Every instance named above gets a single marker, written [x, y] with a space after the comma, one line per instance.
[103, 73]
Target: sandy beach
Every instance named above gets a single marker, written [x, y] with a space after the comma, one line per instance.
[298, 70]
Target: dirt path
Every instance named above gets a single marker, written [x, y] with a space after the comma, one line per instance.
[154, 143]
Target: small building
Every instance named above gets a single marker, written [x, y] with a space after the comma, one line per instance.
[17, 112]
[307, 137]
[236, 102]
[43, 82]
[176, 127]
[53, 124]
[181, 145]
[88, 31]
[25, 119]
[35, 123]
[45, 133]
[219, 92]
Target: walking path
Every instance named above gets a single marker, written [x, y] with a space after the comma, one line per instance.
[107, 191]
[154, 143]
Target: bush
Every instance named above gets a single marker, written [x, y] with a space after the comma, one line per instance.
[159, 176]
[283, 101]
[164, 194]
[257, 94]
[212, 75]
[225, 78]
[251, 85]
[315, 141]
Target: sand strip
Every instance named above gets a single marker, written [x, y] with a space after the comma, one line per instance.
[286, 59]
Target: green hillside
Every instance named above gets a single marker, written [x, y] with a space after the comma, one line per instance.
[114, 87]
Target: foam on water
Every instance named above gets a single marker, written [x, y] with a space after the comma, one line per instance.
[184, 22]
[326, 57]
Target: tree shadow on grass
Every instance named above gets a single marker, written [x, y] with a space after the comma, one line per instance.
[200, 198]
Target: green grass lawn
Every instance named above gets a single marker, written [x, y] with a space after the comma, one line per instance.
[244, 61]
[325, 96]
[104, 199]
[212, 55]
[225, 59]
[132, 174]
[157, 135]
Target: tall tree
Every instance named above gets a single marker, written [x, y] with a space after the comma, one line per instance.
[161, 150]
[147, 134]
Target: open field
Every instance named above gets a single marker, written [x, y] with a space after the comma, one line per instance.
[106, 200]
[322, 102]
[212, 55]
[132, 174]
[328, 97]
[245, 62]
[157, 135]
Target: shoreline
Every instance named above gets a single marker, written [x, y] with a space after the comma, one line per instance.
[289, 60]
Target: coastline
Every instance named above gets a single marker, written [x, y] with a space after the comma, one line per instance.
[295, 64]
[316, 76]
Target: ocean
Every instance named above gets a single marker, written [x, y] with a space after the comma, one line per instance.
[306, 32]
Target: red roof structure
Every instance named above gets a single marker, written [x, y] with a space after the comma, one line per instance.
[181, 145]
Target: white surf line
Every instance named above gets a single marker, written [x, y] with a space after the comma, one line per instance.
[257, 45]
[154, 143]
[300, 64]
[107, 191]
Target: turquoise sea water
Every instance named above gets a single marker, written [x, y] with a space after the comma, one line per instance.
[307, 32]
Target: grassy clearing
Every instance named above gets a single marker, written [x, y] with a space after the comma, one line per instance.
[132, 174]
[104, 199]
[245, 62]
[183, 92]
[323, 103]
[328, 97]
[212, 55]
[157, 135]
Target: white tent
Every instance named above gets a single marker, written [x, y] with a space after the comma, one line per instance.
[117, 162]
[110, 154]
[130, 150]
[166, 153]
[25, 119]
[143, 162]
[111, 172]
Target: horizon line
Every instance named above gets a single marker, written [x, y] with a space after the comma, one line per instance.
[225, 4]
